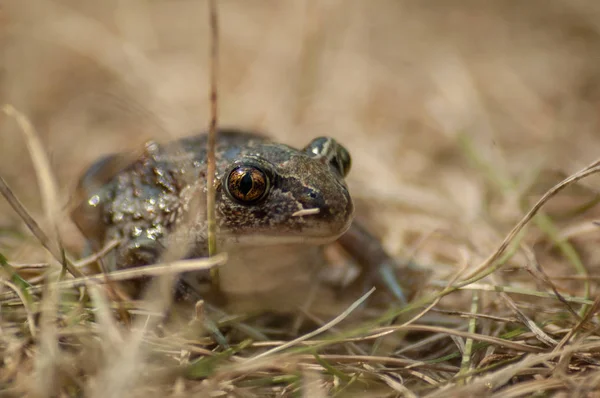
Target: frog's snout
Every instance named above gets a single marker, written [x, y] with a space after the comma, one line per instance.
[338, 216]
[331, 210]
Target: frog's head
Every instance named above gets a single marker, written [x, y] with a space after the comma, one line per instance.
[271, 193]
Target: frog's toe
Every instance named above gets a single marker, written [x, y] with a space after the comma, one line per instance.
[138, 252]
[388, 277]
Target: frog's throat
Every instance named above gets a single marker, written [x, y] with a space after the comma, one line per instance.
[258, 240]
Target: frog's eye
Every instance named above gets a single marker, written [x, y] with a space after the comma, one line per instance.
[247, 184]
[342, 160]
[330, 151]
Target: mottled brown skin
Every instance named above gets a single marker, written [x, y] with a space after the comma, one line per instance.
[274, 250]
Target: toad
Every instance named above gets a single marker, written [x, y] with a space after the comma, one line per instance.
[276, 209]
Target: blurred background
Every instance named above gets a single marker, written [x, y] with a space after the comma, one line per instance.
[458, 113]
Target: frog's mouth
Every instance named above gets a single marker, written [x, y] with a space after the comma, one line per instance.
[259, 239]
[311, 234]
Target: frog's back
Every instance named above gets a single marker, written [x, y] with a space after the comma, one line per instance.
[227, 145]
[133, 191]
[225, 137]
[192, 148]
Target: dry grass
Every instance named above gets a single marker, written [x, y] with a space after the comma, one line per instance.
[463, 117]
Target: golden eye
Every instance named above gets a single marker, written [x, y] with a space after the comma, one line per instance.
[247, 184]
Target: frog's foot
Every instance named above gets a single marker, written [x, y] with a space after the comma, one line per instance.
[413, 277]
[378, 267]
[388, 277]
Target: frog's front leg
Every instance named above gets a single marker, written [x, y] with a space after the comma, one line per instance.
[143, 250]
[378, 266]
[137, 252]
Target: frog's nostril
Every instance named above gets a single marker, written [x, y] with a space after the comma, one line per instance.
[311, 198]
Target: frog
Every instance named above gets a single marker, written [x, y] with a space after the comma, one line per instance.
[277, 207]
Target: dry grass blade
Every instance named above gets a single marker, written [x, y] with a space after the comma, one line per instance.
[396, 385]
[34, 227]
[485, 287]
[47, 358]
[586, 387]
[125, 370]
[316, 332]
[475, 336]
[48, 192]
[98, 255]
[381, 360]
[533, 387]
[312, 385]
[157, 270]
[592, 278]
[438, 298]
[122, 373]
[481, 271]
[467, 353]
[448, 286]
[583, 323]
[480, 316]
[495, 380]
[175, 267]
[212, 138]
[542, 275]
[108, 326]
[437, 330]
[24, 301]
[569, 253]
[529, 323]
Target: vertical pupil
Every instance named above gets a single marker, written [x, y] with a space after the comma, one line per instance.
[246, 183]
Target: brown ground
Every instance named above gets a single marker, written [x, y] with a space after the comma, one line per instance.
[459, 115]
